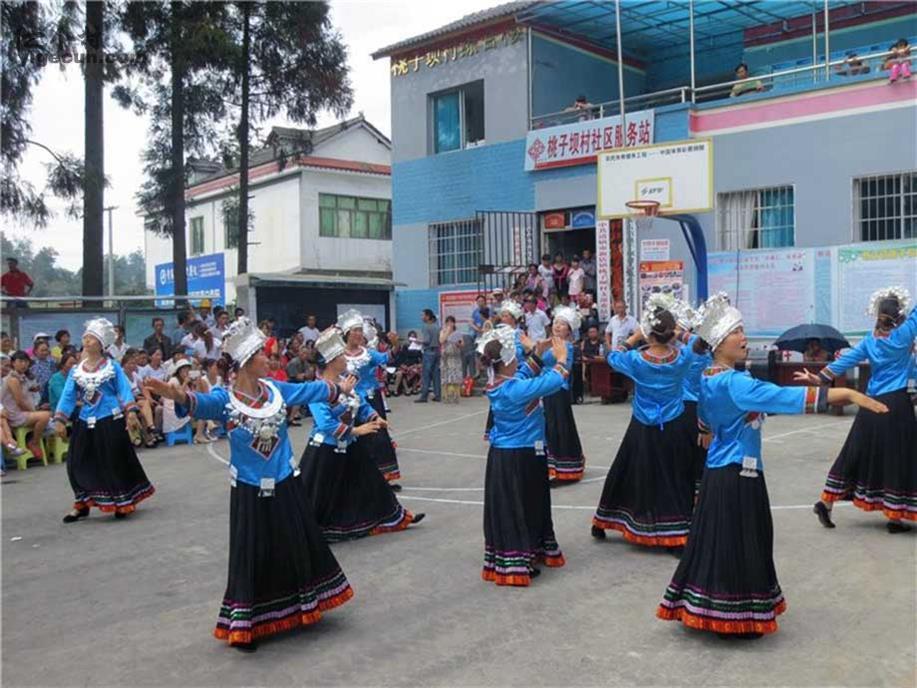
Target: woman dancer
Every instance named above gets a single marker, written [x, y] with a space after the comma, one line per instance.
[877, 464]
[281, 572]
[649, 492]
[566, 463]
[362, 361]
[687, 319]
[510, 314]
[349, 495]
[101, 463]
[518, 529]
[725, 581]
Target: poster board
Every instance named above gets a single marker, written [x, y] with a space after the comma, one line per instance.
[603, 268]
[661, 276]
[459, 304]
[864, 268]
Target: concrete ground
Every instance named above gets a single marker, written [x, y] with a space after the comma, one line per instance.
[133, 603]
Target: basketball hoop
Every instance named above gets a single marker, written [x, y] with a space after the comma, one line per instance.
[645, 212]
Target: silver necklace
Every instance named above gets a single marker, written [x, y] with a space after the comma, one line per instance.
[262, 423]
[90, 382]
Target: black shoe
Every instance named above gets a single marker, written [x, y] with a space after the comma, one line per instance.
[245, 647]
[80, 513]
[437, 399]
[418, 518]
[676, 551]
[824, 516]
[534, 573]
[420, 401]
[395, 487]
[897, 527]
[598, 533]
[120, 515]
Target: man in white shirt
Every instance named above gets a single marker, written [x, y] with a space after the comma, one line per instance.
[620, 327]
[310, 331]
[536, 321]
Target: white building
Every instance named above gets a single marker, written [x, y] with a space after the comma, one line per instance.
[321, 229]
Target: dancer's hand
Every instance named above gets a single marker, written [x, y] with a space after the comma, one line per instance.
[61, 429]
[526, 342]
[542, 346]
[165, 390]
[704, 439]
[347, 384]
[868, 403]
[805, 375]
[369, 428]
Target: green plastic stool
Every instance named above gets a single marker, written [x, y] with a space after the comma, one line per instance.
[22, 433]
[58, 449]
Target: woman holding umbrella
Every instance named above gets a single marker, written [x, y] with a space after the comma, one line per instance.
[876, 466]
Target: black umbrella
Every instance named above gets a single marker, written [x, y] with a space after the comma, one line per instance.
[796, 338]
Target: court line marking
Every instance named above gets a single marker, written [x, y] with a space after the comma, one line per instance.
[213, 453]
[398, 433]
[482, 457]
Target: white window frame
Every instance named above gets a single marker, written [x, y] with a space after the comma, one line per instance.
[463, 141]
[735, 242]
[856, 207]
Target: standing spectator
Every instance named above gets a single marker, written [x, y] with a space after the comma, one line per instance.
[477, 320]
[451, 341]
[496, 300]
[588, 313]
[6, 343]
[18, 406]
[185, 320]
[536, 320]
[547, 274]
[43, 367]
[534, 281]
[201, 343]
[16, 283]
[63, 341]
[238, 313]
[431, 358]
[559, 273]
[117, 350]
[205, 312]
[220, 326]
[588, 266]
[158, 341]
[59, 379]
[577, 278]
[620, 327]
[746, 87]
[310, 331]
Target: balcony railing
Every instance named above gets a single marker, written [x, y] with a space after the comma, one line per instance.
[820, 73]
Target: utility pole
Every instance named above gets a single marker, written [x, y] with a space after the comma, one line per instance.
[111, 252]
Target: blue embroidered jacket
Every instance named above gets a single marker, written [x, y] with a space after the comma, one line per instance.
[516, 404]
[658, 382]
[113, 397]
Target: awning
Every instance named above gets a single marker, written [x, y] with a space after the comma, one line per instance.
[316, 280]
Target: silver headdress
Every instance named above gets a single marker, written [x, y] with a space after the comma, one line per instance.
[242, 340]
[511, 307]
[101, 329]
[718, 320]
[896, 292]
[348, 320]
[504, 334]
[686, 316]
[370, 334]
[569, 315]
[329, 344]
[655, 302]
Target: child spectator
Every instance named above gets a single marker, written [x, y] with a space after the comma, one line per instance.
[899, 62]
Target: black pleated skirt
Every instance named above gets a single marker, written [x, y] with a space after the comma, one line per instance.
[700, 454]
[877, 466]
[282, 573]
[565, 453]
[348, 494]
[380, 445]
[649, 492]
[725, 581]
[518, 529]
[103, 467]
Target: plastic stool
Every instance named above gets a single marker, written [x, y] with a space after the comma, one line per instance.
[22, 433]
[58, 448]
[182, 435]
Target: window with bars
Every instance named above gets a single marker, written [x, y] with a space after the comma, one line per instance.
[455, 252]
[756, 218]
[197, 236]
[885, 206]
[350, 217]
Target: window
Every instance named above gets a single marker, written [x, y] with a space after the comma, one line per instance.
[355, 218]
[455, 252]
[757, 218]
[458, 118]
[197, 236]
[231, 224]
[885, 206]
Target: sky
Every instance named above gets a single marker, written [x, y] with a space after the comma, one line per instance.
[57, 116]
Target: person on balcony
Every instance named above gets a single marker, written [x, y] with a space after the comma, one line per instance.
[899, 62]
[747, 86]
[584, 107]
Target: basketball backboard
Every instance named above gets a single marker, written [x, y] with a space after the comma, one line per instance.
[678, 175]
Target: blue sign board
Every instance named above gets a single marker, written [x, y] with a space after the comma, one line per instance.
[206, 278]
[581, 219]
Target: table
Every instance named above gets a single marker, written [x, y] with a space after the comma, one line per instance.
[604, 382]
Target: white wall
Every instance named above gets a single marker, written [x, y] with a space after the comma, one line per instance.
[355, 144]
[329, 253]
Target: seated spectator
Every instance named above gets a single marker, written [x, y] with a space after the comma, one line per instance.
[6, 343]
[275, 369]
[39, 337]
[271, 345]
[852, 66]
[592, 346]
[746, 87]
[117, 350]
[63, 341]
[43, 367]
[181, 377]
[814, 353]
[899, 62]
[408, 366]
[146, 433]
[59, 379]
[18, 405]
[155, 368]
[16, 283]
